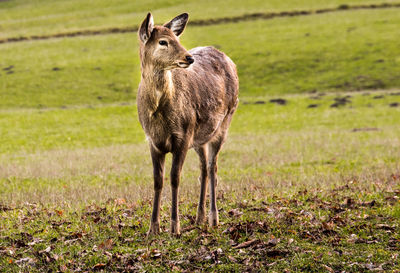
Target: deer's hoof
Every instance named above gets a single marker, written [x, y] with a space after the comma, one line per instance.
[213, 219]
[201, 217]
[175, 228]
[154, 229]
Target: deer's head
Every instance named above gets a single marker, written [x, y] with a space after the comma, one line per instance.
[160, 46]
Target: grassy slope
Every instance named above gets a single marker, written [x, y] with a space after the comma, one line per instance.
[349, 50]
[19, 17]
[66, 155]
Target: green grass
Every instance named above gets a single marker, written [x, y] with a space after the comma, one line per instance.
[69, 128]
[22, 18]
[88, 127]
[349, 50]
[89, 154]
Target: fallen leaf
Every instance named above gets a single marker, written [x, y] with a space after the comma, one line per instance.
[107, 244]
[35, 241]
[272, 241]
[328, 268]
[155, 253]
[59, 212]
[353, 238]
[75, 235]
[368, 204]
[63, 268]
[247, 244]
[26, 260]
[99, 266]
[47, 250]
[232, 259]
[235, 212]
[4, 207]
[277, 253]
[385, 227]
[119, 201]
[392, 200]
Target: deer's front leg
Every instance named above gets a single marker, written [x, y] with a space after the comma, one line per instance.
[178, 157]
[158, 159]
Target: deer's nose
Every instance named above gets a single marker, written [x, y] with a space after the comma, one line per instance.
[189, 59]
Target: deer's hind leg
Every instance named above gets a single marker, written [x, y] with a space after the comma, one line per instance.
[201, 209]
[214, 149]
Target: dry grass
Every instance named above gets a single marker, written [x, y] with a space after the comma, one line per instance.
[263, 164]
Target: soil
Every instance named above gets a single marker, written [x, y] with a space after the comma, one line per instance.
[279, 101]
[364, 129]
[341, 101]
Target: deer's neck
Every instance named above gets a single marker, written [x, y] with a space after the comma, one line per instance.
[158, 84]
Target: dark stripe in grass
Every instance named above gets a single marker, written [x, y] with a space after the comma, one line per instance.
[206, 22]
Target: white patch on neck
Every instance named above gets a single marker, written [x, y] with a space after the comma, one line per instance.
[167, 89]
[158, 95]
[170, 84]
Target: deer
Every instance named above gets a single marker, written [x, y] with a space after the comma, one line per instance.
[186, 99]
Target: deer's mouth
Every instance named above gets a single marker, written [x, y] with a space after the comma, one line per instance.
[183, 64]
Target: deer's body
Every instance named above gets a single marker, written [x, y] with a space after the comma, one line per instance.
[188, 104]
[185, 100]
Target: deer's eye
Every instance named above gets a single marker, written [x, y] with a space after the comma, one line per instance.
[163, 43]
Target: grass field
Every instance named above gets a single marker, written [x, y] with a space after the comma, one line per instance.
[312, 184]
[21, 18]
[346, 157]
[61, 155]
[354, 50]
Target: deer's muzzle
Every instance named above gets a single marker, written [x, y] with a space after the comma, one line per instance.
[186, 62]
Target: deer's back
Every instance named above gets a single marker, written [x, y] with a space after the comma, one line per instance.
[210, 81]
[210, 86]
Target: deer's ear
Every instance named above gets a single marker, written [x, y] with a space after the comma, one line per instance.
[178, 24]
[146, 28]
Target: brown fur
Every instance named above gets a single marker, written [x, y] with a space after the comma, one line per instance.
[182, 108]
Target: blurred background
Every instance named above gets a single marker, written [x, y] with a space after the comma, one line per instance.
[318, 88]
